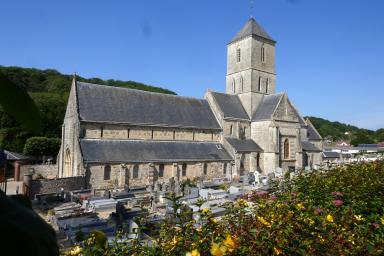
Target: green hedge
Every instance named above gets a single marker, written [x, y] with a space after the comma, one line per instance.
[42, 146]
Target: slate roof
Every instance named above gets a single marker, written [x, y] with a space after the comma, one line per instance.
[246, 145]
[15, 156]
[99, 103]
[368, 145]
[252, 28]
[267, 107]
[312, 133]
[308, 146]
[130, 151]
[331, 154]
[230, 105]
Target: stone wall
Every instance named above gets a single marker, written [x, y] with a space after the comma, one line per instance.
[119, 132]
[40, 170]
[44, 186]
[144, 174]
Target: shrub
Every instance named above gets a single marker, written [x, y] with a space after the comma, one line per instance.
[337, 212]
[42, 146]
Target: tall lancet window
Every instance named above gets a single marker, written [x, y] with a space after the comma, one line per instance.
[241, 84]
[286, 149]
[107, 172]
[238, 55]
[267, 86]
[262, 54]
[233, 86]
[259, 83]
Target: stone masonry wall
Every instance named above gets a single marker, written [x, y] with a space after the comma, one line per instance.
[54, 185]
[44, 170]
[92, 131]
[140, 175]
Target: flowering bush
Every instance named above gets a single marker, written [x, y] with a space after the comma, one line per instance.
[338, 212]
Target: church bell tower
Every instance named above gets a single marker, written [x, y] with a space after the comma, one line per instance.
[251, 65]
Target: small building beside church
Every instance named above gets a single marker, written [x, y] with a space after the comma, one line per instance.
[120, 137]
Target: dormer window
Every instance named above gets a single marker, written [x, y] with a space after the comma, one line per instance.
[238, 55]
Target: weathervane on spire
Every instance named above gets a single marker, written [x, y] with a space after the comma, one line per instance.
[251, 3]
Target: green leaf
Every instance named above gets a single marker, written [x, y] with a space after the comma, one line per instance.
[16, 102]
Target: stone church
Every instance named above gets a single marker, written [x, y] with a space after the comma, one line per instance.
[120, 137]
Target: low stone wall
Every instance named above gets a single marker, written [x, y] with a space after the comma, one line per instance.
[43, 186]
[40, 170]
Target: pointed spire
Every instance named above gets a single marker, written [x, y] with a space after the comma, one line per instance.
[251, 3]
[252, 28]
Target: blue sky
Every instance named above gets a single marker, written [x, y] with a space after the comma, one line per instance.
[329, 55]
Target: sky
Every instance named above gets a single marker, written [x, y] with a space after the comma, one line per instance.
[329, 53]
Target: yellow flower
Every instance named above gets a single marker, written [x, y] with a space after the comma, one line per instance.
[193, 253]
[321, 238]
[206, 210]
[263, 221]
[231, 243]
[300, 206]
[329, 218]
[76, 250]
[174, 240]
[213, 220]
[217, 250]
[277, 250]
[311, 222]
[382, 220]
[359, 218]
[242, 202]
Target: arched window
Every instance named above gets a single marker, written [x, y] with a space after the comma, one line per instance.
[67, 163]
[205, 169]
[241, 84]
[238, 55]
[225, 168]
[161, 170]
[267, 86]
[259, 83]
[184, 170]
[135, 171]
[286, 149]
[231, 130]
[234, 86]
[107, 172]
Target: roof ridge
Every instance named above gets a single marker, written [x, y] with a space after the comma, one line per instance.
[278, 103]
[151, 141]
[309, 123]
[140, 91]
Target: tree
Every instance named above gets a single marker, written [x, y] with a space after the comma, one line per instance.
[42, 146]
[16, 102]
[361, 138]
[380, 135]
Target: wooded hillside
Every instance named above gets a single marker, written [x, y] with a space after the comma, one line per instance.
[49, 89]
[335, 131]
